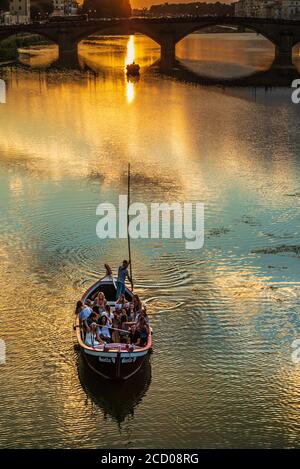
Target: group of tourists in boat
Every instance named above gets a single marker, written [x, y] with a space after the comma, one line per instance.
[123, 321]
[133, 69]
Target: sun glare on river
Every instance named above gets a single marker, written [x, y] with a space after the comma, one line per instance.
[130, 51]
[130, 92]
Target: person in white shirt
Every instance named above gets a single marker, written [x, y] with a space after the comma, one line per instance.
[108, 313]
[104, 331]
[85, 313]
[92, 337]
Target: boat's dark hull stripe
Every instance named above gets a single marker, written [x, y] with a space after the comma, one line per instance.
[115, 367]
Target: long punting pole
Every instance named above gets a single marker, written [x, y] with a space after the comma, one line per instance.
[128, 236]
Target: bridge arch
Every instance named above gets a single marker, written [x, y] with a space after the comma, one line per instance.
[23, 39]
[226, 55]
[116, 30]
[119, 51]
[46, 33]
[257, 28]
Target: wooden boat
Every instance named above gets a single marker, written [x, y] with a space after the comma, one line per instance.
[133, 69]
[116, 360]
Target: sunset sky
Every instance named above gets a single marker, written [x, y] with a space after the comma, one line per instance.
[147, 3]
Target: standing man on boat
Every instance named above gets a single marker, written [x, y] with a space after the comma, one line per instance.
[122, 274]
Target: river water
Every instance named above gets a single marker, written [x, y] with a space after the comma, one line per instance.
[224, 316]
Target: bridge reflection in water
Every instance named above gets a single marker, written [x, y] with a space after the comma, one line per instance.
[266, 78]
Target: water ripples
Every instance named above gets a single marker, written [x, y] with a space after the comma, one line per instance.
[224, 316]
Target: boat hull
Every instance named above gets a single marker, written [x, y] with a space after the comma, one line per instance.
[115, 365]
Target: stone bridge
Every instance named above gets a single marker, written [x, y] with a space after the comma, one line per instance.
[166, 32]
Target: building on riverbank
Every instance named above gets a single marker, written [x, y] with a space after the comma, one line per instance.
[286, 9]
[19, 11]
[290, 9]
[71, 7]
[246, 8]
[64, 7]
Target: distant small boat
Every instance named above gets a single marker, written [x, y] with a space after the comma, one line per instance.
[133, 69]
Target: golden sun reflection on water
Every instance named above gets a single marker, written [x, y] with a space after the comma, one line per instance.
[90, 121]
[130, 91]
[130, 51]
